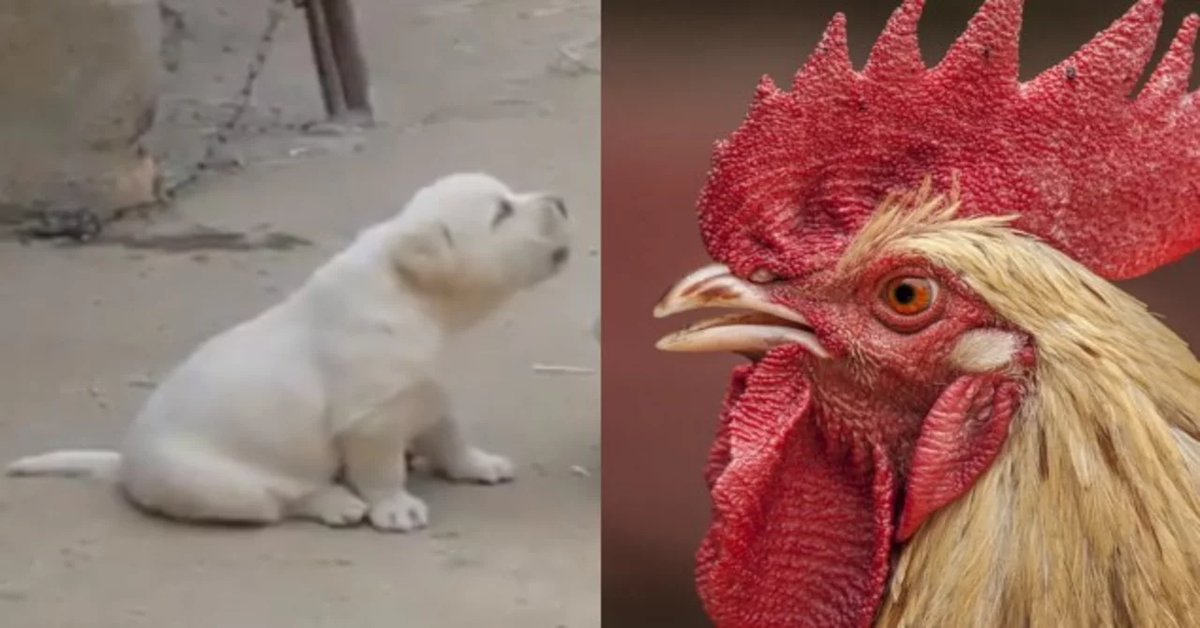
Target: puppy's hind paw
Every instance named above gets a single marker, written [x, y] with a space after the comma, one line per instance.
[481, 467]
[335, 506]
[402, 512]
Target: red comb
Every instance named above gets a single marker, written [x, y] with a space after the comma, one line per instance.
[1109, 179]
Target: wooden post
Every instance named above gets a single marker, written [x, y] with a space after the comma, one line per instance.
[347, 49]
[328, 76]
[341, 67]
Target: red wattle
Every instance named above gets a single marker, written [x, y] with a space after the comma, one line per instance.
[960, 438]
[801, 536]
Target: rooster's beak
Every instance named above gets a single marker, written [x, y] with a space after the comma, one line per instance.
[764, 326]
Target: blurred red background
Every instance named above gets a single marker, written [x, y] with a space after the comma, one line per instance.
[679, 75]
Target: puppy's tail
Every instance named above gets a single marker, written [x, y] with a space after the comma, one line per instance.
[69, 463]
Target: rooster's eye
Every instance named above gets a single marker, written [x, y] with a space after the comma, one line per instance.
[909, 296]
[763, 275]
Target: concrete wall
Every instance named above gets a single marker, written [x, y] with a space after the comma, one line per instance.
[78, 93]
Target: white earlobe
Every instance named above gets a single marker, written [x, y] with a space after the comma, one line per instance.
[984, 350]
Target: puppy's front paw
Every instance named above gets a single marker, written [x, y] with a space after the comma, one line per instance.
[477, 465]
[402, 512]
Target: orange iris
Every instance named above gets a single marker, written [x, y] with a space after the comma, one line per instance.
[908, 295]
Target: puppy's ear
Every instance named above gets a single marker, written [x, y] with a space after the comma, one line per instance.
[425, 258]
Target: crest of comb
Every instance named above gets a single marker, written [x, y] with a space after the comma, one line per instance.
[1110, 177]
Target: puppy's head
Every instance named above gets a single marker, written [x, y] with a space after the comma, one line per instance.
[468, 240]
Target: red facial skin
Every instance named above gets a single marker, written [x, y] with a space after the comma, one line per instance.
[807, 468]
[822, 466]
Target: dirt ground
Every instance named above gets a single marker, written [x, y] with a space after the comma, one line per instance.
[85, 332]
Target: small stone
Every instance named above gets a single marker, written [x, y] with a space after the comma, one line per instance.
[142, 382]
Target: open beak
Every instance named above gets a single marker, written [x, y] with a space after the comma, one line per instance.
[762, 326]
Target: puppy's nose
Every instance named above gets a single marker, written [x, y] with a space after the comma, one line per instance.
[560, 255]
[559, 204]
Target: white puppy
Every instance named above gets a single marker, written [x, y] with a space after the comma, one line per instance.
[307, 410]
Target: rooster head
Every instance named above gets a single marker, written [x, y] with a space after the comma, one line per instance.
[869, 226]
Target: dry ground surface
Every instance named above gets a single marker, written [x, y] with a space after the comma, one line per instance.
[86, 331]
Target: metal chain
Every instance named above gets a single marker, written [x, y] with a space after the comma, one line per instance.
[275, 16]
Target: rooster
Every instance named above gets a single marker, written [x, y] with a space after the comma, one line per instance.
[950, 417]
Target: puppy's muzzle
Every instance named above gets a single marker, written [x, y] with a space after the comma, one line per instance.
[554, 214]
[555, 208]
[554, 224]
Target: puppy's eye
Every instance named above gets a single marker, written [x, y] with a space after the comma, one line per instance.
[503, 210]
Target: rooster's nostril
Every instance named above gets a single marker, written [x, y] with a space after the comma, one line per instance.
[560, 205]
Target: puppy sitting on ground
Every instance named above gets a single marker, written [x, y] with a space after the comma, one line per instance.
[307, 411]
